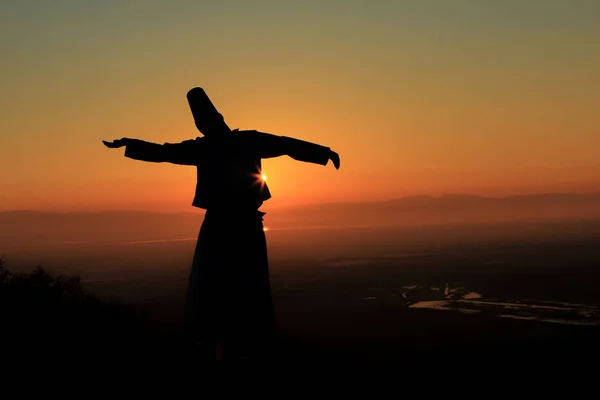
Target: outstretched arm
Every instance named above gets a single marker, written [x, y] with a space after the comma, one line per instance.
[183, 153]
[276, 146]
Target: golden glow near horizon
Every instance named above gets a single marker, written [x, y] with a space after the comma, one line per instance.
[487, 97]
[264, 177]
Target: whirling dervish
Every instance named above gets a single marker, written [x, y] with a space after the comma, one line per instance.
[228, 299]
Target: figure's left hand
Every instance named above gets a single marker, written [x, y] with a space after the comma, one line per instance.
[115, 144]
[335, 158]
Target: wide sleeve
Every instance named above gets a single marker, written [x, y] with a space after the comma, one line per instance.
[300, 150]
[188, 152]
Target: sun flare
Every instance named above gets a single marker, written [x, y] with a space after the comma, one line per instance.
[264, 177]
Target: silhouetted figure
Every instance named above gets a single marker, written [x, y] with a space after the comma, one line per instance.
[229, 297]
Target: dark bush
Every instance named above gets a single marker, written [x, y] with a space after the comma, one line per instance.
[43, 311]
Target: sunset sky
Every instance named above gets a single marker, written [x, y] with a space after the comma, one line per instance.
[418, 97]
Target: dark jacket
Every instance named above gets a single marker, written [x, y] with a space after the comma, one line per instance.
[229, 171]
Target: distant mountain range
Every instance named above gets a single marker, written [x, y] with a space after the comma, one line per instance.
[450, 208]
[36, 226]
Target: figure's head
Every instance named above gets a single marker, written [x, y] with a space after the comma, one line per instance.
[212, 126]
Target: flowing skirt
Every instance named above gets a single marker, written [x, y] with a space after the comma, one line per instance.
[229, 296]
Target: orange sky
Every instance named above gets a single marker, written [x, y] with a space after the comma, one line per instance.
[483, 97]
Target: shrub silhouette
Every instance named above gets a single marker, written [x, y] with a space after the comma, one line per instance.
[40, 310]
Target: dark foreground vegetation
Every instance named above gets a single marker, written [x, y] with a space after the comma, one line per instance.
[47, 316]
[43, 313]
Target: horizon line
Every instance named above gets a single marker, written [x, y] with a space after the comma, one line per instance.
[197, 210]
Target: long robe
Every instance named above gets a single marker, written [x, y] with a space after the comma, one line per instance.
[229, 297]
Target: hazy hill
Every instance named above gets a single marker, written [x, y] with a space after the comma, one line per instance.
[37, 227]
[20, 228]
[446, 209]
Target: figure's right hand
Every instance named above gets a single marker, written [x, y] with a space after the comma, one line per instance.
[115, 144]
[335, 158]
